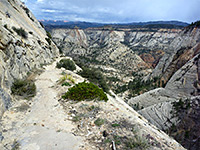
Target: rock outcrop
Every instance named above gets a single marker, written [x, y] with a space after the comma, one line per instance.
[118, 49]
[118, 53]
[179, 70]
[23, 46]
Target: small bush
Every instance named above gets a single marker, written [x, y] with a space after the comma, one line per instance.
[48, 40]
[67, 64]
[66, 84]
[49, 34]
[77, 118]
[23, 88]
[137, 143]
[99, 122]
[85, 91]
[21, 32]
[115, 125]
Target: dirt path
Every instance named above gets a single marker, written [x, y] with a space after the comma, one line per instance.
[44, 125]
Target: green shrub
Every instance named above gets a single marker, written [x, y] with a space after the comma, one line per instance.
[85, 91]
[115, 125]
[95, 76]
[23, 88]
[48, 40]
[99, 122]
[66, 84]
[67, 64]
[77, 118]
[137, 142]
[137, 85]
[49, 34]
[21, 32]
[66, 77]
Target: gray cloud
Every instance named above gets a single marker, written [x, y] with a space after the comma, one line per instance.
[115, 10]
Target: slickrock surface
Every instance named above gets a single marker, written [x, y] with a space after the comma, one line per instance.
[179, 68]
[18, 55]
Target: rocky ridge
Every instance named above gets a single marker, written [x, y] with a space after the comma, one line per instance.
[178, 68]
[49, 122]
[22, 46]
[117, 53]
[45, 122]
[117, 49]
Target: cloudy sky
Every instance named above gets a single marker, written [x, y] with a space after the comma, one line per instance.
[115, 11]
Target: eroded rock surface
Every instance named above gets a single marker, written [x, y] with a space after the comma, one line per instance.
[20, 55]
[179, 69]
[49, 122]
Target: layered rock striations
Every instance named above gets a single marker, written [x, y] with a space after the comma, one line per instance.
[118, 53]
[124, 50]
[22, 46]
[179, 70]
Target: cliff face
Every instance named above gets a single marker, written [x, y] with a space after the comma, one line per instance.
[183, 48]
[119, 54]
[118, 49]
[22, 46]
[179, 70]
[25, 46]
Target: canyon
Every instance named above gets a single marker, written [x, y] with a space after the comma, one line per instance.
[165, 62]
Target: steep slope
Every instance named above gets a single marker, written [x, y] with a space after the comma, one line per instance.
[179, 69]
[46, 121]
[183, 48]
[49, 122]
[22, 46]
[119, 54]
[96, 42]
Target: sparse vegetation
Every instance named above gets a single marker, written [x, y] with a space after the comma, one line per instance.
[115, 125]
[66, 84]
[25, 88]
[48, 40]
[77, 118]
[186, 129]
[195, 24]
[95, 76]
[49, 34]
[99, 122]
[137, 142]
[181, 105]
[21, 32]
[65, 77]
[85, 91]
[15, 145]
[67, 64]
[138, 86]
